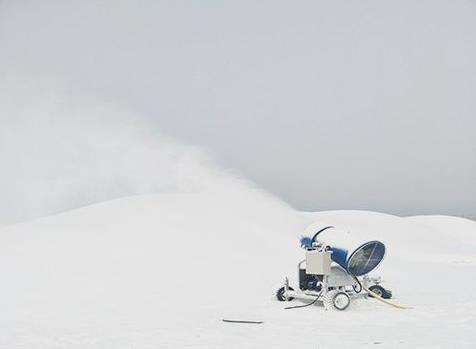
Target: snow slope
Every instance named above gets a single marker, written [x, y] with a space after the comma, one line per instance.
[162, 270]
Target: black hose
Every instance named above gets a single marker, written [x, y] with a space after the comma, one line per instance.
[305, 305]
[358, 283]
[320, 231]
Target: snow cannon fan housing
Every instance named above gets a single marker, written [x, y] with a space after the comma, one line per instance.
[363, 260]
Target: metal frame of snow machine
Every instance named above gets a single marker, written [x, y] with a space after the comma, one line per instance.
[325, 281]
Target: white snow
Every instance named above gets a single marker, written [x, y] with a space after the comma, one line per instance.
[162, 270]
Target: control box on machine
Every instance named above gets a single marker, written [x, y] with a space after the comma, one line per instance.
[318, 262]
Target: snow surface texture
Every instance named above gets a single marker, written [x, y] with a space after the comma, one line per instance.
[162, 270]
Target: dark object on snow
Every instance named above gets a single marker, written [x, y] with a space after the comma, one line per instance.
[242, 321]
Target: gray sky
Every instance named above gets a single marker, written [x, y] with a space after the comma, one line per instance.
[328, 104]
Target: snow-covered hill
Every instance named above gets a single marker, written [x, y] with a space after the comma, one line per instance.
[162, 270]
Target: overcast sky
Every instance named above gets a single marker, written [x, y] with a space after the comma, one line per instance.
[327, 104]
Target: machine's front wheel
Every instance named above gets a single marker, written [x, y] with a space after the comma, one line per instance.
[341, 301]
[338, 300]
[280, 294]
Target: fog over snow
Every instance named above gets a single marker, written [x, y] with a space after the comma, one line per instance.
[59, 153]
[355, 105]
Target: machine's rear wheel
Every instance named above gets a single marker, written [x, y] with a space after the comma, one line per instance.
[380, 291]
[280, 294]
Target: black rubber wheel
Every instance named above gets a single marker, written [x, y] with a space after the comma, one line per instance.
[280, 294]
[341, 300]
[336, 300]
[380, 291]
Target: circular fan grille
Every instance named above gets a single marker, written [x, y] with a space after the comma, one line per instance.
[366, 258]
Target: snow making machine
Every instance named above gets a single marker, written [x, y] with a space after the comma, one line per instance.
[333, 277]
